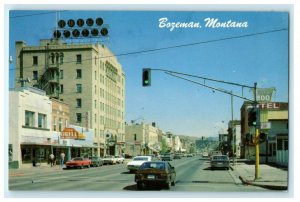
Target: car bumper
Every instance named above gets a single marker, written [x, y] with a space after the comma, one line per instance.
[133, 168]
[219, 165]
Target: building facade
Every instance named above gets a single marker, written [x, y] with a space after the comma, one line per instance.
[142, 139]
[87, 77]
[30, 138]
[273, 122]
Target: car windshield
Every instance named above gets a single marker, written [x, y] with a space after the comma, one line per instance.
[147, 165]
[220, 157]
[77, 159]
[140, 159]
[108, 157]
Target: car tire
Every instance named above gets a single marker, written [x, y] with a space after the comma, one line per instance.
[168, 185]
[140, 186]
[173, 183]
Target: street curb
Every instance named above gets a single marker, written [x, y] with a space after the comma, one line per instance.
[272, 187]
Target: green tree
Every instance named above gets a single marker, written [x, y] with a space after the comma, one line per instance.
[164, 146]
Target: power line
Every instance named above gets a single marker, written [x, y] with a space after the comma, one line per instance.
[34, 14]
[176, 46]
[210, 87]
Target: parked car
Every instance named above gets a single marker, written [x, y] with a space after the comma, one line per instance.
[78, 162]
[219, 161]
[189, 155]
[167, 157]
[177, 156]
[213, 153]
[155, 173]
[108, 159]
[205, 154]
[96, 161]
[119, 159]
[137, 162]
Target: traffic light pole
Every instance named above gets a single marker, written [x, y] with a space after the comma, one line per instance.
[257, 170]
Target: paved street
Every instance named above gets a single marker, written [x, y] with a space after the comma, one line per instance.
[193, 174]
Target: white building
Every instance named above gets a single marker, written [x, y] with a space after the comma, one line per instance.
[30, 113]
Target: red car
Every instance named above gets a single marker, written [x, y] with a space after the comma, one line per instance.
[78, 162]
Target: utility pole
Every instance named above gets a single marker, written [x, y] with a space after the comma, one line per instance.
[233, 139]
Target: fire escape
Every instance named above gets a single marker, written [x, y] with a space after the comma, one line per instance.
[49, 81]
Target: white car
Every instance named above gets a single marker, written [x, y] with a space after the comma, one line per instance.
[137, 162]
[108, 159]
[119, 159]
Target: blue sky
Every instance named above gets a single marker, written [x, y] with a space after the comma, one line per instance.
[176, 105]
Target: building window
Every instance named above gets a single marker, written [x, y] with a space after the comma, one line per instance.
[35, 60]
[61, 57]
[78, 117]
[35, 75]
[60, 124]
[134, 137]
[95, 101]
[78, 59]
[61, 74]
[61, 88]
[78, 103]
[52, 58]
[42, 120]
[78, 73]
[95, 75]
[78, 88]
[54, 124]
[29, 118]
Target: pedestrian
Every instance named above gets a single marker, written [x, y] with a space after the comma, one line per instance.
[52, 157]
[62, 158]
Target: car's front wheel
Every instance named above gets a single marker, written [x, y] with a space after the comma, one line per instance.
[168, 185]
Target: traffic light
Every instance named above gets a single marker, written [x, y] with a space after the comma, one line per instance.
[252, 117]
[146, 77]
[262, 137]
[249, 139]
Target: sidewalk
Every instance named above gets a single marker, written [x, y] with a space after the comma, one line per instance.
[271, 177]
